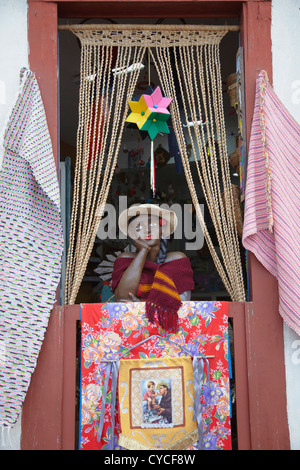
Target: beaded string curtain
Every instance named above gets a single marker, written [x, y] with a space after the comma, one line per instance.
[102, 113]
[198, 71]
[190, 55]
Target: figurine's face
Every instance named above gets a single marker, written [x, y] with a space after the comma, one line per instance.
[146, 227]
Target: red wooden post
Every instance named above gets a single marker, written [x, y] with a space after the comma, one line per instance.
[41, 413]
[237, 311]
[71, 315]
[42, 409]
[43, 60]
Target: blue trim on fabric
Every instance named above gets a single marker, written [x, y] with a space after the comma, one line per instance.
[229, 359]
[248, 280]
[230, 374]
[79, 424]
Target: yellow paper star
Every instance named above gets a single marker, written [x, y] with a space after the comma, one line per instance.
[139, 112]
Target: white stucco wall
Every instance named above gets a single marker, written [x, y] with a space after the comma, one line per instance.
[286, 83]
[13, 56]
[13, 53]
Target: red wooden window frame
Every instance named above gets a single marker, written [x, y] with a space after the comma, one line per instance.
[48, 410]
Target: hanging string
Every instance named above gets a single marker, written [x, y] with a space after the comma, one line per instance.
[103, 107]
[152, 156]
[149, 68]
[152, 170]
[197, 71]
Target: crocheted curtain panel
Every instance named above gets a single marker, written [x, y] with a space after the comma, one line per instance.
[187, 56]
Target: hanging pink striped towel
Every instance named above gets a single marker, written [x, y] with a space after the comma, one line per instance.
[272, 201]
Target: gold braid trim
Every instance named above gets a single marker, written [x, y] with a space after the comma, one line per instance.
[181, 444]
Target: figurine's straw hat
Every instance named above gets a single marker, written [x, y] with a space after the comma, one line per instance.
[151, 209]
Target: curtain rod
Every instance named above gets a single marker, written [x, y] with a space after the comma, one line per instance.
[151, 27]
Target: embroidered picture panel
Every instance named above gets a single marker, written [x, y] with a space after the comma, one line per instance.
[156, 404]
[155, 393]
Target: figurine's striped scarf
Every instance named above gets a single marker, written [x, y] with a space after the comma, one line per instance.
[31, 244]
[160, 286]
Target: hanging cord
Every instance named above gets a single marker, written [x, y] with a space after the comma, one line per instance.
[149, 68]
[164, 69]
[152, 170]
[101, 124]
[193, 65]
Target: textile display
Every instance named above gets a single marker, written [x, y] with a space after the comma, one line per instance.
[272, 201]
[31, 244]
[161, 286]
[117, 340]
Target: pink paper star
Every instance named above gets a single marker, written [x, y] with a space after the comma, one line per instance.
[156, 102]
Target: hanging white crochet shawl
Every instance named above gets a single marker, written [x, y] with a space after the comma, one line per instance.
[31, 244]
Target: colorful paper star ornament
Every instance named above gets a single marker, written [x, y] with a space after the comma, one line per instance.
[150, 113]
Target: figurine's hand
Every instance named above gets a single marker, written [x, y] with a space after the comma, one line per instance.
[142, 244]
[133, 297]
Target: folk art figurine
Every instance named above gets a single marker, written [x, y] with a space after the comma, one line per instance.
[151, 274]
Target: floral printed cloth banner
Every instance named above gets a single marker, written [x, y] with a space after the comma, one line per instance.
[111, 330]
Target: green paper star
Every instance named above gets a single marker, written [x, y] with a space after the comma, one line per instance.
[156, 122]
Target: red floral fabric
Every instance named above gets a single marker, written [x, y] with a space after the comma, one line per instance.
[112, 329]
